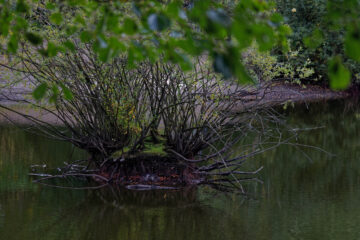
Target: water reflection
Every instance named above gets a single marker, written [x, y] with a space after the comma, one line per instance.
[306, 194]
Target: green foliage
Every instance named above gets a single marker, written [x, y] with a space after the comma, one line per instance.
[261, 65]
[323, 30]
[158, 22]
[175, 31]
[56, 18]
[67, 92]
[339, 75]
[150, 148]
[352, 44]
[33, 38]
[40, 91]
[264, 66]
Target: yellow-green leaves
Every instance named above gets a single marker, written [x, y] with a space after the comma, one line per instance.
[339, 75]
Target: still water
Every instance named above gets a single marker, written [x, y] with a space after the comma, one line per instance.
[306, 194]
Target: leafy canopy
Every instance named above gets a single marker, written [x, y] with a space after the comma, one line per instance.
[174, 30]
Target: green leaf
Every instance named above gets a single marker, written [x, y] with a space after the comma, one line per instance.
[13, 44]
[179, 58]
[264, 36]
[339, 75]
[242, 33]
[69, 45]
[112, 23]
[314, 40]
[230, 65]
[276, 18]
[80, 20]
[173, 8]
[190, 46]
[104, 54]
[222, 65]
[130, 26]
[56, 18]
[55, 94]
[67, 93]
[52, 49]
[242, 75]
[21, 6]
[86, 36]
[4, 26]
[21, 23]
[158, 22]
[71, 29]
[116, 45]
[33, 38]
[352, 44]
[40, 91]
[50, 6]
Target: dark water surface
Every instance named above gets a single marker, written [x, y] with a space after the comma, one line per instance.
[306, 194]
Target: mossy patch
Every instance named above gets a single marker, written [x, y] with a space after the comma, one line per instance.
[150, 148]
[155, 149]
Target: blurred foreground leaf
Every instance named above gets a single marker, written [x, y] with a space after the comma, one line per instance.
[40, 91]
[339, 75]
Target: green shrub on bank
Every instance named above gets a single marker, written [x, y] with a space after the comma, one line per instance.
[263, 66]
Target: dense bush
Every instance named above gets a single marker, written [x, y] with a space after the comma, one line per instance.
[316, 36]
[154, 118]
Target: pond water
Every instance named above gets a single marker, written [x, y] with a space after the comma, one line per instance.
[306, 194]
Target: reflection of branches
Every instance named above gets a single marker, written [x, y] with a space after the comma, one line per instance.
[72, 188]
[72, 170]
